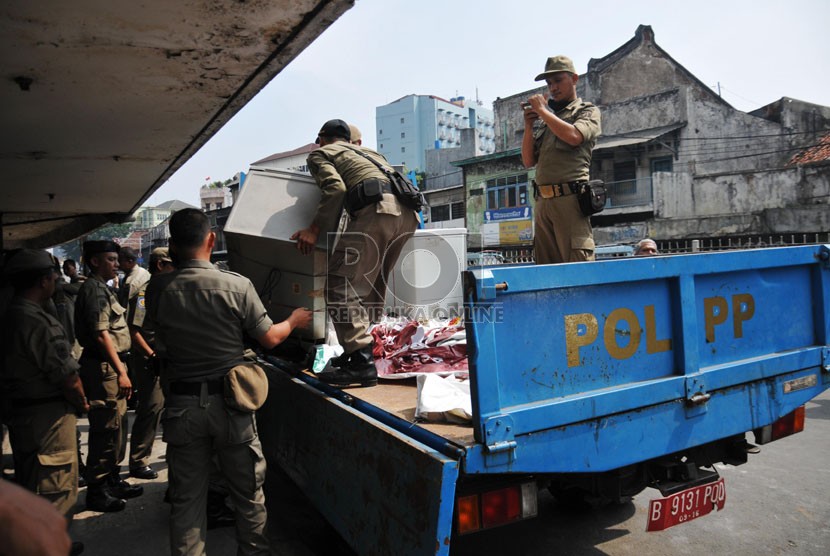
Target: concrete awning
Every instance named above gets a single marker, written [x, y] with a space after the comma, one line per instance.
[635, 137]
[104, 101]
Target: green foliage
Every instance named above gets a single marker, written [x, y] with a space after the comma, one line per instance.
[72, 249]
[111, 231]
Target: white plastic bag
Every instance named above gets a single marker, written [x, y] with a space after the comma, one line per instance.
[443, 399]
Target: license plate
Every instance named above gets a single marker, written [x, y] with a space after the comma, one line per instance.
[686, 505]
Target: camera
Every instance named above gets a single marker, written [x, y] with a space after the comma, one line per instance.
[525, 105]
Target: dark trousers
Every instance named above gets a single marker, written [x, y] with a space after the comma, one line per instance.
[148, 413]
[107, 420]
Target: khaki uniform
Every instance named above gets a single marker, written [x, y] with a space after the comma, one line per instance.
[199, 316]
[562, 233]
[366, 253]
[36, 362]
[97, 309]
[133, 283]
[151, 399]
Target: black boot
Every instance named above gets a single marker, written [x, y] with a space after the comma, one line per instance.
[122, 489]
[359, 371]
[341, 360]
[99, 499]
[218, 514]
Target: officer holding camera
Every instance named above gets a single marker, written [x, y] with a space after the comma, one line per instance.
[560, 133]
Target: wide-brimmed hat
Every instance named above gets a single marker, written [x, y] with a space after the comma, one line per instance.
[555, 64]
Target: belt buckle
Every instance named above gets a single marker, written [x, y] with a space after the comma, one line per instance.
[547, 191]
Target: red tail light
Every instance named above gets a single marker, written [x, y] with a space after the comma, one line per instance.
[785, 426]
[467, 516]
[501, 506]
[495, 507]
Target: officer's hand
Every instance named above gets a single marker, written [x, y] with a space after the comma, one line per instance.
[306, 239]
[125, 387]
[530, 117]
[538, 103]
[300, 317]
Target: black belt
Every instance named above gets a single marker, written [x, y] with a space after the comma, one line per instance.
[561, 189]
[32, 402]
[87, 353]
[195, 388]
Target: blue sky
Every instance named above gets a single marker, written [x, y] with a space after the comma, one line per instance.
[381, 50]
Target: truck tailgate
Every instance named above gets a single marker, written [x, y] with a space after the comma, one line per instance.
[384, 491]
[593, 366]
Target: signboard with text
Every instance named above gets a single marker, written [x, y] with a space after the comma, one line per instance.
[515, 213]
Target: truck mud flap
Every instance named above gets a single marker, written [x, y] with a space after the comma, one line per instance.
[384, 492]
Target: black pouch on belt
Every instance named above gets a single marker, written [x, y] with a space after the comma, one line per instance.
[364, 194]
[592, 197]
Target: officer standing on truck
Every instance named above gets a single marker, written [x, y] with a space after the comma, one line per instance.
[41, 390]
[200, 315]
[101, 328]
[559, 135]
[377, 231]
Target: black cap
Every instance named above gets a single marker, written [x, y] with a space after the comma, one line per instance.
[335, 128]
[99, 246]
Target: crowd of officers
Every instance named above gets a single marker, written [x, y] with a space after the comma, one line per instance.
[86, 346]
[66, 347]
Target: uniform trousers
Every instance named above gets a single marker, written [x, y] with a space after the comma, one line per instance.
[147, 414]
[45, 453]
[358, 270]
[562, 233]
[107, 420]
[196, 428]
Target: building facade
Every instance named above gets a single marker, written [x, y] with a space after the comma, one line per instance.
[679, 162]
[409, 126]
[215, 197]
[148, 217]
[294, 160]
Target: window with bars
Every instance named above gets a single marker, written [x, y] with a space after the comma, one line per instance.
[452, 211]
[507, 192]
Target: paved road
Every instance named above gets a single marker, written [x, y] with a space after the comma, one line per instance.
[777, 504]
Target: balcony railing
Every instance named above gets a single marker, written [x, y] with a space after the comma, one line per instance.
[629, 193]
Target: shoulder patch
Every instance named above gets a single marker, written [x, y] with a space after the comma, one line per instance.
[140, 301]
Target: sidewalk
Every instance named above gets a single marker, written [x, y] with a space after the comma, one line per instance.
[294, 527]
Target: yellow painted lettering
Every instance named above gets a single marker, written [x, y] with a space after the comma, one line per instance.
[715, 311]
[574, 340]
[653, 345]
[743, 309]
[610, 332]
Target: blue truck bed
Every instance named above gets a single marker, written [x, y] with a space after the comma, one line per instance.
[575, 369]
